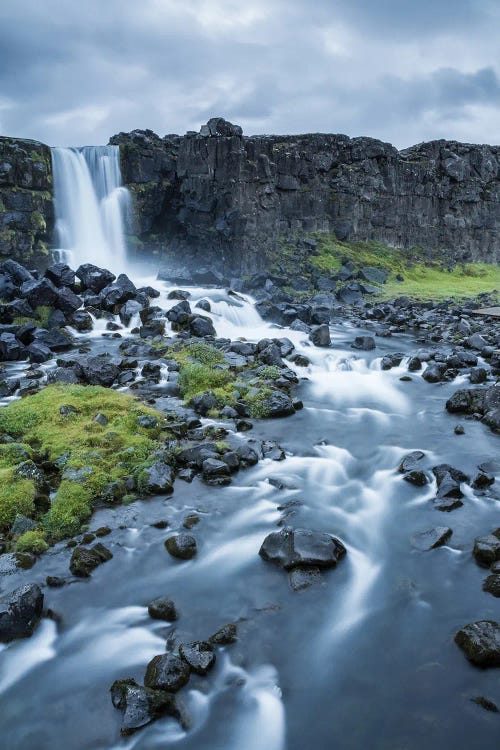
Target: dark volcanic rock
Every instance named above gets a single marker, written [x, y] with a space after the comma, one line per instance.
[432, 538]
[84, 561]
[410, 461]
[166, 672]
[291, 548]
[162, 609]
[480, 641]
[492, 585]
[200, 656]
[487, 548]
[182, 546]
[320, 335]
[364, 343]
[225, 635]
[141, 705]
[93, 277]
[159, 478]
[20, 612]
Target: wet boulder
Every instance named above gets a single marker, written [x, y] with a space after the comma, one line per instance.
[416, 477]
[60, 275]
[492, 585]
[93, 277]
[18, 273]
[410, 461]
[67, 301]
[98, 371]
[293, 548]
[181, 546]
[84, 561]
[180, 314]
[129, 310]
[278, 404]
[167, 672]
[20, 612]
[487, 548]
[226, 635]
[480, 641]
[141, 705]
[363, 343]
[201, 326]
[434, 372]
[81, 320]
[39, 292]
[158, 478]
[430, 539]
[200, 656]
[482, 480]
[120, 291]
[57, 339]
[162, 609]
[320, 335]
[11, 349]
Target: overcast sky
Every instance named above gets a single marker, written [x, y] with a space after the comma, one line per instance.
[74, 72]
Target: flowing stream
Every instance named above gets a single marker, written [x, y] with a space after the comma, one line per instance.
[365, 659]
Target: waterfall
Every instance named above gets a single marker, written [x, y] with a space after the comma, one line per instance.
[91, 206]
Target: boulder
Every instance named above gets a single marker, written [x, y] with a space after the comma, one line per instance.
[225, 635]
[166, 672]
[410, 461]
[162, 609]
[487, 549]
[20, 612]
[141, 705]
[84, 561]
[293, 548]
[278, 404]
[492, 585]
[200, 656]
[320, 335]
[98, 371]
[480, 641]
[159, 478]
[93, 277]
[181, 546]
[201, 326]
[364, 343]
[432, 538]
[60, 275]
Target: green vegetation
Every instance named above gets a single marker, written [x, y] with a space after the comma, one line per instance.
[203, 368]
[41, 317]
[57, 425]
[32, 541]
[422, 277]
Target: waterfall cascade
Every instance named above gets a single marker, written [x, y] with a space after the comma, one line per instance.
[91, 206]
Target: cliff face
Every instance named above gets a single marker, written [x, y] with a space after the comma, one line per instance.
[221, 197]
[26, 211]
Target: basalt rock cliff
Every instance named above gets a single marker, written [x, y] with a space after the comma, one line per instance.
[218, 196]
[26, 210]
[221, 199]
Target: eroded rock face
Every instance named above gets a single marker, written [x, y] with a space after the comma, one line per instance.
[293, 548]
[221, 196]
[26, 210]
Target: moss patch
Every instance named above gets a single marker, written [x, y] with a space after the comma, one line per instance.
[422, 277]
[58, 424]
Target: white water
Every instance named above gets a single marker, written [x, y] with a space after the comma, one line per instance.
[91, 206]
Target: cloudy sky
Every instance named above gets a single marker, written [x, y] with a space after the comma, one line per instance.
[75, 72]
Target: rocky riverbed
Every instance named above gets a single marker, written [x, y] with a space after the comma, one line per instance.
[374, 508]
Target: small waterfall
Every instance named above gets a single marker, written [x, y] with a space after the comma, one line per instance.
[91, 206]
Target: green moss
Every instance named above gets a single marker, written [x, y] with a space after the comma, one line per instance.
[269, 372]
[196, 378]
[205, 354]
[17, 495]
[38, 221]
[256, 403]
[32, 541]
[104, 453]
[423, 278]
[41, 317]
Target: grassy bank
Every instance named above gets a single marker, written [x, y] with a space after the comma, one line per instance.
[422, 278]
[57, 462]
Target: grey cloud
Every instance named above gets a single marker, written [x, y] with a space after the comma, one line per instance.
[76, 73]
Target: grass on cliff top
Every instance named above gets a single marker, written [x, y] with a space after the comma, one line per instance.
[75, 442]
[423, 278]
